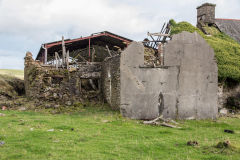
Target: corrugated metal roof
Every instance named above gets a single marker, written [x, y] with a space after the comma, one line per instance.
[230, 27]
[106, 37]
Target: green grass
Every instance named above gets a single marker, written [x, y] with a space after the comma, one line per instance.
[227, 50]
[12, 72]
[98, 133]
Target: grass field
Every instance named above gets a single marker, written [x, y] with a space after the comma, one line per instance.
[95, 132]
[12, 72]
[99, 133]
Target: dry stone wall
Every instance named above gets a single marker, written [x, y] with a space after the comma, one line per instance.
[111, 81]
[60, 85]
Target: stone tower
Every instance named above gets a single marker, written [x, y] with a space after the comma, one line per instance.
[206, 14]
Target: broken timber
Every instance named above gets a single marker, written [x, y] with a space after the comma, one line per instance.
[165, 122]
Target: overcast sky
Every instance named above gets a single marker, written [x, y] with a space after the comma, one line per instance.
[26, 24]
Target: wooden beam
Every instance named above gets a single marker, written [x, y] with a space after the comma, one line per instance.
[108, 51]
[45, 55]
[158, 34]
[56, 59]
[93, 55]
[63, 51]
[67, 59]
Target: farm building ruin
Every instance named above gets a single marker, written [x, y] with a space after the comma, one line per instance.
[184, 86]
[176, 77]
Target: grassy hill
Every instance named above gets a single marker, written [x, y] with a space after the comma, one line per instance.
[11, 72]
[227, 50]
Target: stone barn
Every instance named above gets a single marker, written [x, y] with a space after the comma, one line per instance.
[110, 67]
[70, 70]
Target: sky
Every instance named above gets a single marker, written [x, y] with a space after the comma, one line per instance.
[26, 24]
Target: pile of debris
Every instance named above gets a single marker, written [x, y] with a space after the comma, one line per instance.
[150, 58]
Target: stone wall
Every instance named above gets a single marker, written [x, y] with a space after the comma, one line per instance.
[111, 81]
[228, 96]
[60, 85]
[206, 13]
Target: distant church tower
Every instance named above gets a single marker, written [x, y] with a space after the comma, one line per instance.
[206, 14]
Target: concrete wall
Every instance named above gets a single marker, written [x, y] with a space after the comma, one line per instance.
[186, 87]
[198, 75]
[142, 88]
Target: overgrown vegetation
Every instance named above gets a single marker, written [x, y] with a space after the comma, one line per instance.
[227, 50]
[99, 133]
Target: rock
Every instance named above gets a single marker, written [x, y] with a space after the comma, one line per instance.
[223, 111]
[105, 121]
[69, 103]
[190, 118]
[47, 106]
[228, 131]
[4, 108]
[2, 115]
[46, 94]
[56, 106]
[60, 95]
[225, 144]
[22, 109]
[2, 143]
[55, 95]
[192, 143]
[50, 130]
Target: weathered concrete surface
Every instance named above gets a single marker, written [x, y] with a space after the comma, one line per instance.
[142, 88]
[198, 75]
[186, 87]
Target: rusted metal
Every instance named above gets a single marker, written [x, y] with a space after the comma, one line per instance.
[106, 37]
[89, 37]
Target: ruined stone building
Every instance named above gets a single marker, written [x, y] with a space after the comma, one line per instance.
[179, 81]
[110, 67]
[206, 17]
[70, 70]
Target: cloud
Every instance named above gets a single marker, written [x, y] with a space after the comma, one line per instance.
[26, 24]
[10, 60]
